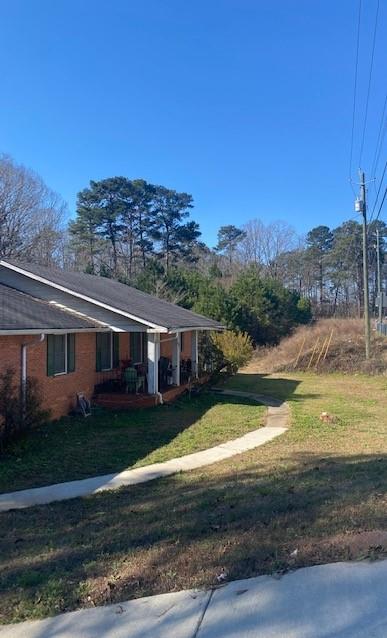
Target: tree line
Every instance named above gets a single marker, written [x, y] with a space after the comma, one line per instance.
[259, 278]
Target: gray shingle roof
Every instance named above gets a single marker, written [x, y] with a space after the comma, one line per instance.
[19, 311]
[122, 297]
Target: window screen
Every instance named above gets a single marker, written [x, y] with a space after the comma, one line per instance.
[136, 349]
[104, 351]
[56, 354]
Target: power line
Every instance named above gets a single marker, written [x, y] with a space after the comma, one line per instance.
[378, 191]
[379, 139]
[381, 144]
[354, 93]
[369, 83]
[381, 205]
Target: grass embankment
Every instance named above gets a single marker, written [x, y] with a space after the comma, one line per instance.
[329, 345]
[320, 489]
[76, 448]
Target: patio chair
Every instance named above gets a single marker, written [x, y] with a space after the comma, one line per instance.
[133, 381]
[83, 405]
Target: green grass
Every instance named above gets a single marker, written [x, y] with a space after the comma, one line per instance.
[320, 488]
[75, 448]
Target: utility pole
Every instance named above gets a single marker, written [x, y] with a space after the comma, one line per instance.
[380, 302]
[361, 206]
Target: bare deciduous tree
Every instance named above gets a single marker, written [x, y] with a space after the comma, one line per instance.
[263, 244]
[31, 216]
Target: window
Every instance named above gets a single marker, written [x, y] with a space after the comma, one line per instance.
[60, 354]
[182, 342]
[107, 351]
[137, 347]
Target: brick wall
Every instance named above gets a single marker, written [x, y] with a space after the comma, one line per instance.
[186, 353]
[166, 346]
[59, 392]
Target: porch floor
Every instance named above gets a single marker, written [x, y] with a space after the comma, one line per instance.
[123, 401]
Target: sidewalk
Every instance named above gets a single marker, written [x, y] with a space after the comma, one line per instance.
[276, 424]
[340, 600]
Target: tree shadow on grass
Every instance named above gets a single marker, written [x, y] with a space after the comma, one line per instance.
[284, 389]
[182, 531]
[107, 442]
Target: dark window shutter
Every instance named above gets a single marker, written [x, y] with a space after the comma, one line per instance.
[50, 356]
[132, 342]
[116, 349]
[98, 351]
[138, 347]
[144, 347]
[71, 352]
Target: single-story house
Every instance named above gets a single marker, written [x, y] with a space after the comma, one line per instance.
[78, 333]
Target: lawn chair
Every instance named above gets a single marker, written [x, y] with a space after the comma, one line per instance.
[83, 404]
[133, 382]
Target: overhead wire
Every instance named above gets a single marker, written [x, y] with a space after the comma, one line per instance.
[382, 126]
[354, 94]
[378, 192]
[379, 139]
[381, 204]
[369, 82]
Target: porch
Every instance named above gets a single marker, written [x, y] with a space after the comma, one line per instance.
[124, 401]
[157, 367]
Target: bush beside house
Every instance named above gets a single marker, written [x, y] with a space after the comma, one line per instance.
[236, 348]
[16, 418]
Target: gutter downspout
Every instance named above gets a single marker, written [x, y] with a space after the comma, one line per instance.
[23, 379]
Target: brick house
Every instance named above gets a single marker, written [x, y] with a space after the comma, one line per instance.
[75, 332]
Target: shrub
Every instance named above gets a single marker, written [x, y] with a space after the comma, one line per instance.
[34, 414]
[211, 358]
[14, 420]
[9, 407]
[237, 348]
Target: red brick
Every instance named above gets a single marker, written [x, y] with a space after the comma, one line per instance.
[59, 392]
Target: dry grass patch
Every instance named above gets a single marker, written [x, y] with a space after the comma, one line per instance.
[345, 338]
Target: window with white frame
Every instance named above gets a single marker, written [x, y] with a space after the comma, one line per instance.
[60, 354]
[138, 347]
[107, 351]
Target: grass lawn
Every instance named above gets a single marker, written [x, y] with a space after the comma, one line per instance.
[320, 489]
[75, 448]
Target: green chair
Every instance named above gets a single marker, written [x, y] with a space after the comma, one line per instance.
[132, 381]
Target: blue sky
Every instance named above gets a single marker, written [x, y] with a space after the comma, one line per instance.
[245, 104]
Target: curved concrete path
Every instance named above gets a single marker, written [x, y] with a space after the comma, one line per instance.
[276, 423]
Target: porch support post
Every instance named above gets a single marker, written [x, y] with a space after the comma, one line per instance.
[195, 353]
[153, 362]
[176, 359]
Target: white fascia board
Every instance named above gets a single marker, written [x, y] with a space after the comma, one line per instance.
[104, 326]
[212, 328]
[49, 331]
[173, 338]
[47, 282]
[76, 313]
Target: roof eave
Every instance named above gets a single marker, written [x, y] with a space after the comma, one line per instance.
[152, 327]
[215, 328]
[47, 331]
[91, 300]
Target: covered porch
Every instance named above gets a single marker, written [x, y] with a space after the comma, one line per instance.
[151, 367]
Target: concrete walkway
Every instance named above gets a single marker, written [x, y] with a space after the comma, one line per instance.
[341, 600]
[276, 423]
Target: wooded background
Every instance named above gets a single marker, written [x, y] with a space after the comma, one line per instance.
[260, 278]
